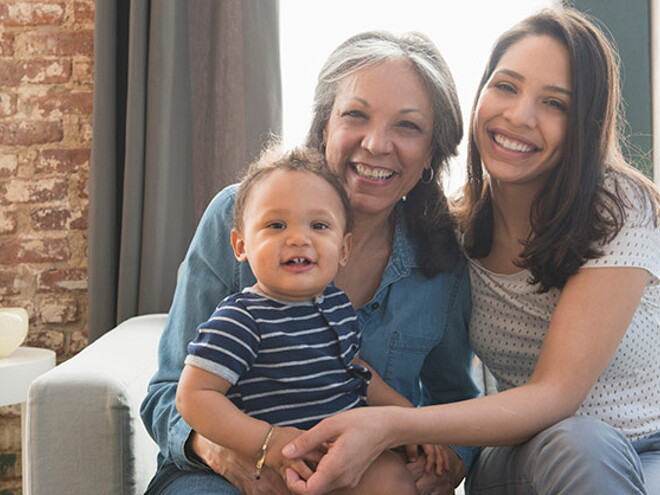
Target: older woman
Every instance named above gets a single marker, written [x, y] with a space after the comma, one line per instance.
[563, 239]
[387, 118]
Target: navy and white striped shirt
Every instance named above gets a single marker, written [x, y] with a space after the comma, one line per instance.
[289, 363]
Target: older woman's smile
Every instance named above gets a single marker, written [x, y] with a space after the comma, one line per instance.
[372, 173]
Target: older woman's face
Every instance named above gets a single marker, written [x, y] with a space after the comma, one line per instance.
[379, 134]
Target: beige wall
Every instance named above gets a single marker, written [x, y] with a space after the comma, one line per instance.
[46, 78]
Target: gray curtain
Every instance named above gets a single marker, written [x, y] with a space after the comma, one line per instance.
[186, 93]
[629, 24]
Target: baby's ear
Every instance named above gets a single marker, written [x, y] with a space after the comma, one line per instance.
[346, 245]
[238, 243]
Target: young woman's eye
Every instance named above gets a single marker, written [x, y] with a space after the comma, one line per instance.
[558, 104]
[320, 226]
[276, 225]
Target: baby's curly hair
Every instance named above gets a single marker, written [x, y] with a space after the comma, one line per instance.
[299, 159]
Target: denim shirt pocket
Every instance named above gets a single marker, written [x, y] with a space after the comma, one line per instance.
[406, 355]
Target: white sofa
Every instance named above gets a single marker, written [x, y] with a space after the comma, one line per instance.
[84, 433]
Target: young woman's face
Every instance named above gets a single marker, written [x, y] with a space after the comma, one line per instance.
[292, 234]
[521, 115]
[379, 134]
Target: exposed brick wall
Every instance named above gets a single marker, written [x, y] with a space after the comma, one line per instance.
[46, 80]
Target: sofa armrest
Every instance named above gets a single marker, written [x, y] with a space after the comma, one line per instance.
[84, 432]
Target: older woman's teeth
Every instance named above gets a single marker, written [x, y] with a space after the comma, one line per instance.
[512, 145]
[373, 173]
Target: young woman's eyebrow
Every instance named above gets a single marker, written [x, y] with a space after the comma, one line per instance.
[520, 77]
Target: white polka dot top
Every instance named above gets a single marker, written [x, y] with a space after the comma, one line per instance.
[510, 319]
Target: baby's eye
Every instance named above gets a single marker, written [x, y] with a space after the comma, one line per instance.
[276, 225]
[320, 226]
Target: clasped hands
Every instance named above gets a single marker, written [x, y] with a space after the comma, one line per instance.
[338, 468]
[437, 471]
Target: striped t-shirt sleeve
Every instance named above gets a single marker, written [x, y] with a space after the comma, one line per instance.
[226, 344]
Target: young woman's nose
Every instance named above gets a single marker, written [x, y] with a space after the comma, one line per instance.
[377, 140]
[522, 112]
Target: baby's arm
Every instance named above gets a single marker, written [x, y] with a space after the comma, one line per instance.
[201, 401]
[380, 393]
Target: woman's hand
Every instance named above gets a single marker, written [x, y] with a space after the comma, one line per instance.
[238, 469]
[354, 439]
[279, 463]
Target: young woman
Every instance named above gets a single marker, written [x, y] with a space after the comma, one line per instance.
[563, 240]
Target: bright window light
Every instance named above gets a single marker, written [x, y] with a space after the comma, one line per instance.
[463, 31]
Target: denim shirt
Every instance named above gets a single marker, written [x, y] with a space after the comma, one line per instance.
[414, 330]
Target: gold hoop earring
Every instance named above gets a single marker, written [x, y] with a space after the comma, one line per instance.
[430, 176]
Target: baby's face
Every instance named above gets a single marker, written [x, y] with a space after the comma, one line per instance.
[292, 235]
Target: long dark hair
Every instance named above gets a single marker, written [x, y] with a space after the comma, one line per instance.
[574, 212]
[431, 224]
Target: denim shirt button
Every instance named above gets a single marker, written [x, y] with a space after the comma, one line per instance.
[375, 305]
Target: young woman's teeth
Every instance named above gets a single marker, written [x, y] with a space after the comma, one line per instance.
[373, 173]
[512, 145]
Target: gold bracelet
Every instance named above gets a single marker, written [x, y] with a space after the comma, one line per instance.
[262, 453]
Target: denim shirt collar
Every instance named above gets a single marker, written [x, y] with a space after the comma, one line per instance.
[403, 257]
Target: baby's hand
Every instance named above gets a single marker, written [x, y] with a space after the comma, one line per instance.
[274, 458]
[436, 456]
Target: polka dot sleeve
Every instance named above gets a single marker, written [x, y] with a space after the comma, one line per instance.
[636, 245]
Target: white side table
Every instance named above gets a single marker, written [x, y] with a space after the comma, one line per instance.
[17, 372]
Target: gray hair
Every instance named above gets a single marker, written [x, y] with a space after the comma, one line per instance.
[374, 47]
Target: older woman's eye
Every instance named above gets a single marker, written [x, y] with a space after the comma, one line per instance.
[358, 114]
[504, 86]
[407, 124]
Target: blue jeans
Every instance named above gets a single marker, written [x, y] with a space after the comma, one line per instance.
[579, 455]
[170, 480]
[648, 450]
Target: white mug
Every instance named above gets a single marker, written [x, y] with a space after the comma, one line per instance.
[13, 329]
